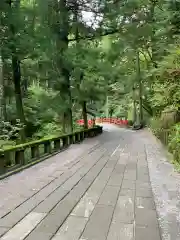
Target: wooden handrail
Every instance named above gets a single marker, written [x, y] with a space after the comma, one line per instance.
[23, 155]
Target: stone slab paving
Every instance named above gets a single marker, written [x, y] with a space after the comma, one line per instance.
[97, 190]
[165, 183]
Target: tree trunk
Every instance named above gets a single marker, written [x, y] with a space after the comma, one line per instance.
[1, 89]
[66, 88]
[62, 32]
[16, 69]
[65, 122]
[70, 118]
[94, 121]
[107, 106]
[4, 106]
[111, 111]
[134, 106]
[140, 89]
[3, 112]
[17, 89]
[84, 113]
[154, 48]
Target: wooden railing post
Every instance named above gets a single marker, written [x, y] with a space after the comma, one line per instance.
[74, 138]
[95, 132]
[66, 141]
[57, 144]
[77, 138]
[2, 163]
[47, 147]
[71, 139]
[86, 133]
[35, 151]
[81, 134]
[19, 157]
[91, 133]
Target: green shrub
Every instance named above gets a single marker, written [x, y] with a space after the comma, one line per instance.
[10, 132]
[49, 130]
[159, 131]
[156, 126]
[77, 127]
[174, 142]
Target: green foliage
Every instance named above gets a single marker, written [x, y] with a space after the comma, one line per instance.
[166, 88]
[57, 76]
[9, 131]
[156, 126]
[51, 129]
[36, 105]
[174, 143]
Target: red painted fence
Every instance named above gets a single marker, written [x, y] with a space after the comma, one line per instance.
[117, 121]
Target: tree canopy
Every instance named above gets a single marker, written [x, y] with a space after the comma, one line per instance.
[62, 60]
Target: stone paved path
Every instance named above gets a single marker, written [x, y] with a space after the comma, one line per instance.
[97, 190]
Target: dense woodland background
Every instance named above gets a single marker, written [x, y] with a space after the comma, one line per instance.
[62, 60]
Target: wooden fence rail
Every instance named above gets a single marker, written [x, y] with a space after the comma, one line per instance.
[164, 136]
[22, 156]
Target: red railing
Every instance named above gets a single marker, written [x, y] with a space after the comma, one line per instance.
[116, 121]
